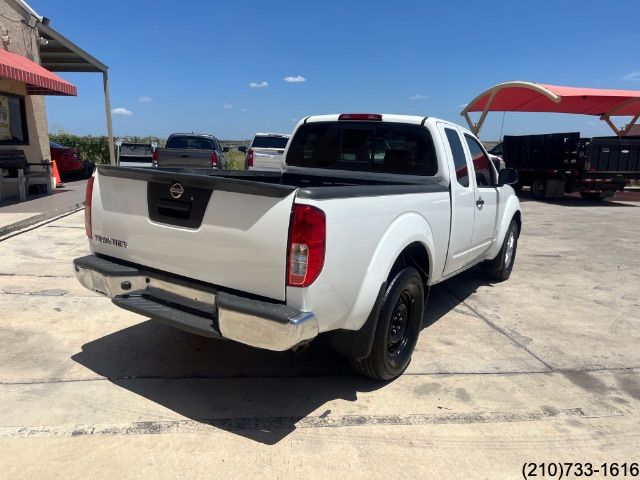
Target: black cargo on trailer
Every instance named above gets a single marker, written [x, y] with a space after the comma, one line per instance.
[558, 163]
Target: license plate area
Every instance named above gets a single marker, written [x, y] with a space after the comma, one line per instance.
[177, 204]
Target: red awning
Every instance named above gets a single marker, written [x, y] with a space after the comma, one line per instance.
[40, 81]
[535, 97]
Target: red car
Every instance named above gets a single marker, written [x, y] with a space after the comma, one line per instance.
[67, 159]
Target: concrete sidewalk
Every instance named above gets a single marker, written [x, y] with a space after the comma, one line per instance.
[16, 215]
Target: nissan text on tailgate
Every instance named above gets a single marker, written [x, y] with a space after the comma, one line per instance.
[367, 214]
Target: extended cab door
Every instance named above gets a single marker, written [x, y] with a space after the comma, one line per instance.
[462, 199]
[486, 199]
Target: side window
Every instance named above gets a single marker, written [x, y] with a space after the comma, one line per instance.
[481, 164]
[459, 158]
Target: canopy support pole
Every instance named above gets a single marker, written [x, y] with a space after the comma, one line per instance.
[607, 118]
[620, 132]
[615, 129]
[475, 127]
[107, 106]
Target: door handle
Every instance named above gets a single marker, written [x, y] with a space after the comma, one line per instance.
[479, 203]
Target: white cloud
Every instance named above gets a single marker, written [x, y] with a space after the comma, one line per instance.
[296, 79]
[227, 106]
[259, 84]
[244, 109]
[417, 96]
[632, 77]
[144, 99]
[463, 105]
[121, 111]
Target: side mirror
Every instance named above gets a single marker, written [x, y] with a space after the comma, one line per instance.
[225, 149]
[507, 176]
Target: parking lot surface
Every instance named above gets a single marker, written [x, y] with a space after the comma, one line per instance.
[544, 367]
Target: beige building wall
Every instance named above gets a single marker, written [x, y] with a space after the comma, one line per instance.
[23, 40]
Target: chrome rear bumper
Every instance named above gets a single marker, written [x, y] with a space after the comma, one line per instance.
[197, 308]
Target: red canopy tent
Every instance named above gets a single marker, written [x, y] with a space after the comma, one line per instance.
[533, 97]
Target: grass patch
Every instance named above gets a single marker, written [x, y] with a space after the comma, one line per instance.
[236, 160]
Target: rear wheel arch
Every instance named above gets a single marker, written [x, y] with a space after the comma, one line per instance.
[414, 255]
[517, 216]
[358, 343]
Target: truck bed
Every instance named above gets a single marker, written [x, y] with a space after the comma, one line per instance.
[276, 184]
[184, 157]
[225, 228]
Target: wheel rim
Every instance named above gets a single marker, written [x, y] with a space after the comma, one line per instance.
[398, 335]
[508, 253]
[538, 187]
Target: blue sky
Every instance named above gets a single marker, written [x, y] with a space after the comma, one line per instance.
[194, 61]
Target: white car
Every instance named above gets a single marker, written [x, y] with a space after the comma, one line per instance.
[266, 151]
[370, 211]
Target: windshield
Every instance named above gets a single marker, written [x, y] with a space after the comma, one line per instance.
[270, 142]
[364, 146]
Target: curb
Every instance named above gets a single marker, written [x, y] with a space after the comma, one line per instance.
[41, 217]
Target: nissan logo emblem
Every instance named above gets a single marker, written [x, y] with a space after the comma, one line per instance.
[176, 190]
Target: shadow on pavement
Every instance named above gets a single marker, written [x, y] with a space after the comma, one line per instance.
[254, 393]
[258, 394]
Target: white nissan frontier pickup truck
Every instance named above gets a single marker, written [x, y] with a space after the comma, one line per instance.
[368, 213]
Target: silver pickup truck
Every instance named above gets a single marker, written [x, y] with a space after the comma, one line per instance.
[191, 150]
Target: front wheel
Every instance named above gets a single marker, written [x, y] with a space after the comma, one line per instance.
[500, 267]
[397, 328]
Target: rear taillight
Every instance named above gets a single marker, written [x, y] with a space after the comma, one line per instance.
[305, 249]
[214, 159]
[88, 197]
[250, 159]
[154, 157]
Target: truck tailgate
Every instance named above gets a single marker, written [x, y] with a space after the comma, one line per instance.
[184, 157]
[267, 158]
[228, 232]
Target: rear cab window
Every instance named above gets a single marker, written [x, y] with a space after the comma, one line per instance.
[385, 147]
[276, 142]
[184, 141]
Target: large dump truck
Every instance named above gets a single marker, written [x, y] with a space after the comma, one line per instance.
[558, 163]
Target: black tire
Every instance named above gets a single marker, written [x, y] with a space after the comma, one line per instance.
[539, 188]
[500, 267]
[593, 196]
[398, 328]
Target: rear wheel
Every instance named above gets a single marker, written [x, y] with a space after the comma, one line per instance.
[539, 188]
[500, 267]
[397, 329]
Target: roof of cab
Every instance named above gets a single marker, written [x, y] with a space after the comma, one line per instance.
[386, 117]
